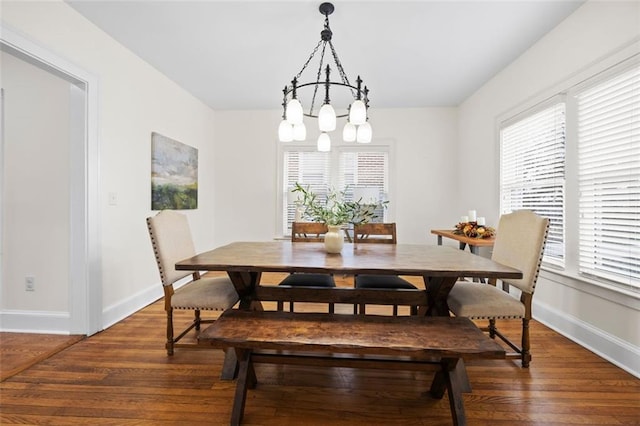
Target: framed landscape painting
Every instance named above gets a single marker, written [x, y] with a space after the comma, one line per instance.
[174, 174]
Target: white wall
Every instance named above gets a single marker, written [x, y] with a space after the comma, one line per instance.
[600, 319]
[35, 200]
[245, 168]
[134, 100]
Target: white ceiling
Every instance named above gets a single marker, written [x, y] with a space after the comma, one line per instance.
[240, 54]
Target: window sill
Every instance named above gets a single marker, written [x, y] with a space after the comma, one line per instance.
[596, 288]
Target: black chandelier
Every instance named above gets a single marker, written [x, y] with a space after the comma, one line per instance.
[292, 126]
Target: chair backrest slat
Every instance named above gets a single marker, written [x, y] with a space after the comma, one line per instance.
[375, 233]
[304, 232]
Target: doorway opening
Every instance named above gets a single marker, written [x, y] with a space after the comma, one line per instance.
[83, 305]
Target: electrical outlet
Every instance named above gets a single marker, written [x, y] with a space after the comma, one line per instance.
[30, 284]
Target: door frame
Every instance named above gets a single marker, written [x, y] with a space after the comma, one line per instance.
[85, 260]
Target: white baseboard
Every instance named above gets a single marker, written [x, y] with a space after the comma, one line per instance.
[115, 313]
[609, 347]
[119, 311]
[60, 322]
[44, 322]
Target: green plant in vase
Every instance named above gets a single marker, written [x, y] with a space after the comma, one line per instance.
[334, 209]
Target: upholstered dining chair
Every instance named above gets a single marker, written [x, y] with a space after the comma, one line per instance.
[305, 232]
[379, 233]
[520, 241]
[171, 240]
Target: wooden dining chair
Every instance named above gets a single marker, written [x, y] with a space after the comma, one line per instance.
[379, 233]
[308, 232]
[520, 241]
[171, 240]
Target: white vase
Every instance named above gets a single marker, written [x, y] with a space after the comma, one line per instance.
[334, 239]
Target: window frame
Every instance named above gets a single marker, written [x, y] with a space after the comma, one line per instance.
[382, 145]
[592, 75]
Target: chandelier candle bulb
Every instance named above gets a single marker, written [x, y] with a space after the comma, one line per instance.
[327, 118]
[324, 142]
[349, 133]
[294, 111]
[472, 215]
[285, 131]
[357, 113]
[299, 132]
[481, 221]
[364, 133]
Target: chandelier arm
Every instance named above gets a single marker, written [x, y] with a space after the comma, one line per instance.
[332, 83]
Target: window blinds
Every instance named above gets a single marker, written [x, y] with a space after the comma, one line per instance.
[343, 167]
[364, 169]
[609, 179]
[307, 168]
[532, 172]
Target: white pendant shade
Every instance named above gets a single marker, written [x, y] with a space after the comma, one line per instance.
[294, 111]
[357, 113]
[327, 118]
[349, 133]
[364, 133]
[285, 131]
[299, 132]
[324, 143]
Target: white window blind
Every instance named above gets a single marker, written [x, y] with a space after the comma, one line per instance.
[532, 172]
[306, 167]
[609, 179]
[364, 170]
[346, 167]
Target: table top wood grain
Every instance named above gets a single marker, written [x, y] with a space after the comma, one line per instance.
[382, 259]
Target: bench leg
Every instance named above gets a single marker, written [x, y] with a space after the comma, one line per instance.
[246, 379]
[452, 377]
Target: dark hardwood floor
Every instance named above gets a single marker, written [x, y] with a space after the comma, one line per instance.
[122, 376]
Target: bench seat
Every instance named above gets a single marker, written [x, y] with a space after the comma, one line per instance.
[373, 341]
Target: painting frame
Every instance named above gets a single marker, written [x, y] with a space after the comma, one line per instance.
[174, 174]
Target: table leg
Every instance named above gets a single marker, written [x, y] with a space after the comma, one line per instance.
[245, 284]
[438, 289]
[439, 240]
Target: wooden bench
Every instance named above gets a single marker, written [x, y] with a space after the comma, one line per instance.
[365, 341]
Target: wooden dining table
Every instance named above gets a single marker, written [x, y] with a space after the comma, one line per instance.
[439, 266]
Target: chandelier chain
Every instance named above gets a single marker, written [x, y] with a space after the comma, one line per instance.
[304, 67]
[343, 75]
[315, 88]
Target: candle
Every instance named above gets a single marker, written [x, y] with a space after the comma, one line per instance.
[481, 221]
[464, 219]
[472, 215]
